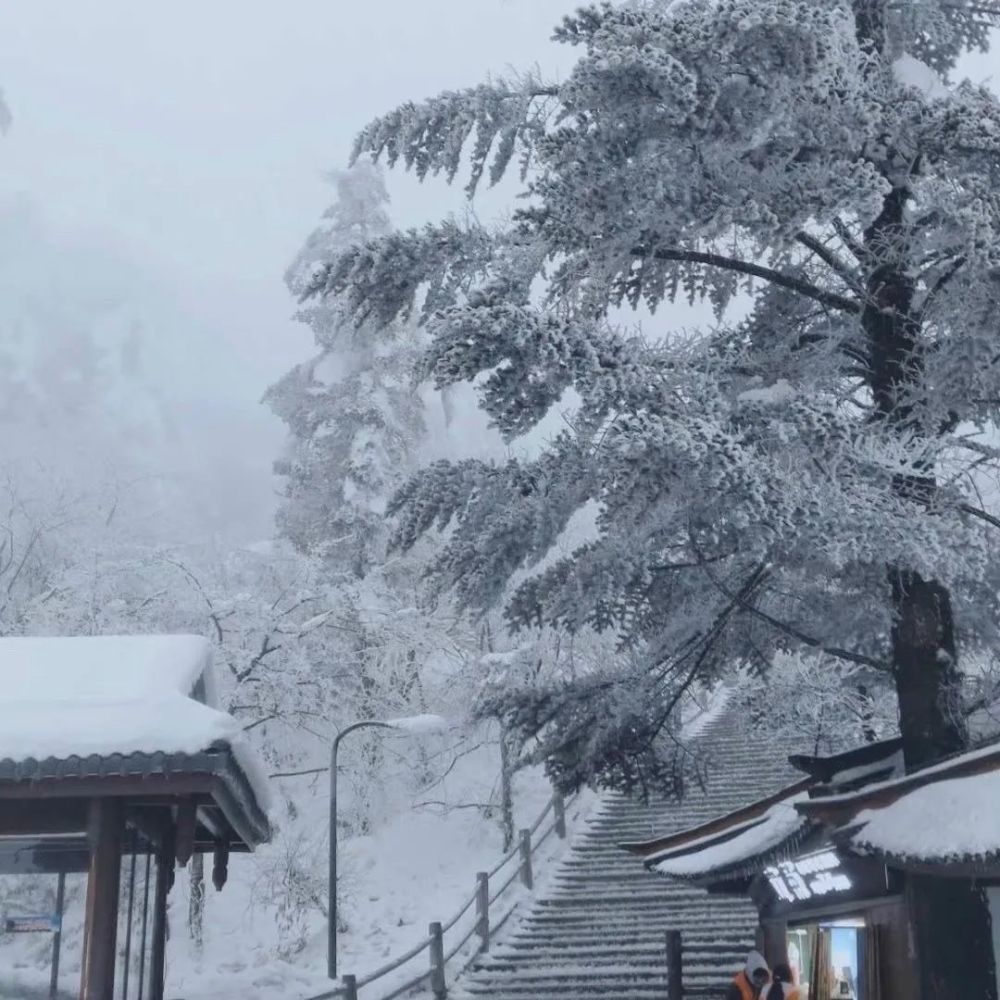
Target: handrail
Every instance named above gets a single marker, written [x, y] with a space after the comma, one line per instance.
[504, 887]
[461, 913]
[406, 987]
[538, 822]
[527, 847]
[461, 944]
[394, 964]
[510, 854]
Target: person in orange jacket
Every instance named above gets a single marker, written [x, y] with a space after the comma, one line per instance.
[750, 980]
[782, 984]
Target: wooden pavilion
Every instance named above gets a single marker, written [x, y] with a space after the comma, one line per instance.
[112, 759]
[834, 854]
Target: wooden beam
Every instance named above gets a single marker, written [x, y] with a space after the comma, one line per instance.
[184, 837]
[220, 866]
[137, 786]
[41, 817]
[97, 976]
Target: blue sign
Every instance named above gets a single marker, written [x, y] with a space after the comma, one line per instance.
[45, 923]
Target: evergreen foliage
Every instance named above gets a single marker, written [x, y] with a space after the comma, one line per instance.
[805, 478]
[353, 411]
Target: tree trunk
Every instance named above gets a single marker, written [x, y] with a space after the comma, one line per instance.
[924, 647]
[950, 924]
[928, 684]
[867, 715]
[949, 920]
[506, 791]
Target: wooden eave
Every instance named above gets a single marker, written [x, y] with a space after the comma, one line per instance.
[52, 794]
[839, 810]
[720, 826]
[823, 769]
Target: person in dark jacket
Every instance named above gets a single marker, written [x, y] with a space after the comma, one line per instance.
[782, 985]
[750, 980]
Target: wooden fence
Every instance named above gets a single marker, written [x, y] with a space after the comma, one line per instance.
[446, 940]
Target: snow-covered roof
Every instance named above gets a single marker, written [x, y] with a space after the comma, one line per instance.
[948, 820]
[984, 758]
[99, 665]
[82, 696]
[748, 844]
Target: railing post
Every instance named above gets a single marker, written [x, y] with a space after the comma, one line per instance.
[675, 966]
[526, 875]
[483, 910]
[350, 984]
[438, 986]
[559, 808]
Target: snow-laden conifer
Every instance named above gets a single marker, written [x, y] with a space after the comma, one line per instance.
[810, 477]
[353, 412]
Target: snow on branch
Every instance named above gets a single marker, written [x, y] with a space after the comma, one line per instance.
[784, 280]
[504, 118]
[380, 279]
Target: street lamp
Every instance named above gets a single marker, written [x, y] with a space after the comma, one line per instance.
[414, 725]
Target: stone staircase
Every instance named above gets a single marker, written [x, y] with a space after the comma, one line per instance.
[596, 931]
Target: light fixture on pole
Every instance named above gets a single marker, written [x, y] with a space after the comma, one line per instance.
[414, 725]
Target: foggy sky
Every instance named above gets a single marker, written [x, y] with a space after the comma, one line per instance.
[190, 139]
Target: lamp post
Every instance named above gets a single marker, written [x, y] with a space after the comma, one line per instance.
[415, 724]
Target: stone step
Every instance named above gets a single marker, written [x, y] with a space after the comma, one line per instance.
[657, 913]
[582, 979]
[717, 955]
[597, 932]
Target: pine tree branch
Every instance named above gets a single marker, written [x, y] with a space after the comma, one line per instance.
[825, 254]
[939, 287]
[742, 599]
[798, 285]
[708, 640]
[840, 228]
[808, 640]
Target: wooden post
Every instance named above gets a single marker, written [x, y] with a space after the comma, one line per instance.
[559, 808]
[104, 832]
[57, 936]
[350, 984]
[438, 986]
[483, 910]
[164, 880]
[128, 919]
[675, 966]
[775, 950]
[145, 925]
[526, 875]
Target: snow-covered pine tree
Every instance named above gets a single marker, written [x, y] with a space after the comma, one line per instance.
[353, 410]
[804, 478]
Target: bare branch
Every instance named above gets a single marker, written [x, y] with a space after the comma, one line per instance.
[298, 774]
